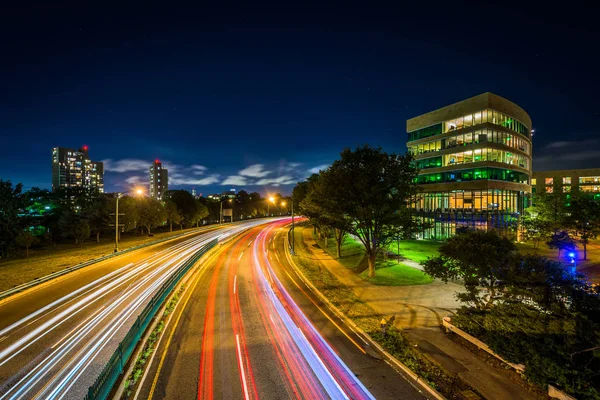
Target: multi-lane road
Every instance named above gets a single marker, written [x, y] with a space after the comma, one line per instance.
[247, 328]
[56, 339]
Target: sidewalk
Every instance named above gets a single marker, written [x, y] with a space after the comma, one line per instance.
[419, 310]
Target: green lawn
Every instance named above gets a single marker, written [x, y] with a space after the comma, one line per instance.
[390, 273]
[416, 250]
[353, 252]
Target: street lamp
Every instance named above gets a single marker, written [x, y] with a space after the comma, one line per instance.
[272, 200]
[221, 212]
[283, 204]
[119, 195]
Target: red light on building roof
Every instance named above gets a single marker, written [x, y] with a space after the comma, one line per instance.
[85, 147]
[157, 161]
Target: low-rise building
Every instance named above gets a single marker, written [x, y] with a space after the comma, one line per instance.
[474, 160]
[568, 181]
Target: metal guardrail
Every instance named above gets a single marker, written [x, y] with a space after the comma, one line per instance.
[117, 362]
[35, 282]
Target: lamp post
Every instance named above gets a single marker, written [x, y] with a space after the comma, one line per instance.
[293, 244]
[272, 200]
[119, 195]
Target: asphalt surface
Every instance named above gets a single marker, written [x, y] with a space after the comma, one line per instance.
[248, 328]
[55, 340]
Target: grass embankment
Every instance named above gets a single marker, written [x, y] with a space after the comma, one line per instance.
[43, 262]
[389, 272]
[368, 320]
[149, 347]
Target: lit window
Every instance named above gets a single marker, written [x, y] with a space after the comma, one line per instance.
[549, 181]
[566, 189]
[566, 180]
[533, 181]
[549, 189]
[589, 188]
[589, 179]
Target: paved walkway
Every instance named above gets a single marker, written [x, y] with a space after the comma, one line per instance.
[419, 310]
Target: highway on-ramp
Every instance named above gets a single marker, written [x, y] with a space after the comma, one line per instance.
[55, 340]
[247, 328]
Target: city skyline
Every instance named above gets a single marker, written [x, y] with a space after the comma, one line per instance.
[281, 96]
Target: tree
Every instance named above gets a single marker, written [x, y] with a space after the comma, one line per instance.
[368, 187]
[151, 213]
[201, 213]
[562, 241]
[81, 231]
[186, 204]
[535, 227]
[483, 260]
[38, 209]
[74, 226]
[552, 208]
[323, 211]
[172, 213]
[26, 239]
[10, 203]
[584, 220]
[97, 212]
[128, 213]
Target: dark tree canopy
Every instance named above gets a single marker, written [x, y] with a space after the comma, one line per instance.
[367, 191]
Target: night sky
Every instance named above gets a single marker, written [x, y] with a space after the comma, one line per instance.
[257, 96]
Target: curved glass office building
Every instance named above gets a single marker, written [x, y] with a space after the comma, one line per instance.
[474, 160]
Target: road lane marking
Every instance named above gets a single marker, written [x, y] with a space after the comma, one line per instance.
[240, 362]
[240, 257]
[358, 346]
[176, 323]
[234, 283]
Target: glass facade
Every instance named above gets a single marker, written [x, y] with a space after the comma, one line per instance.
[478, 136]
[434, 162]
[480, 117]
[471, 142]
[589, 188]
[487, 154]
[583, 180]
[469, 120]
[474, 174]
[471, 201]
[425, 132]
[443, 225]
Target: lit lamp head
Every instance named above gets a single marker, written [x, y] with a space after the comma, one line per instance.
[272, 199]
[283, 203]
[139, 191]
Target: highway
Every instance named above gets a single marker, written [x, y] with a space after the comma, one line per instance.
[247, 328]
[55, 340]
